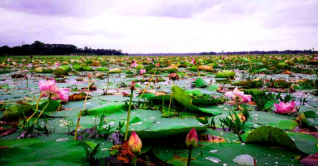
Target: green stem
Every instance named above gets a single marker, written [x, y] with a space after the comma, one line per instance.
[189, 156]
[36, 107]
[107, 83]
[171, 96]
[41, 112]
[84, 107]
[145, 90]
[27, 82]
[128, 115]
[135, 162]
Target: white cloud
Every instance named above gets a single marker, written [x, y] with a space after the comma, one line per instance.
[148, 26]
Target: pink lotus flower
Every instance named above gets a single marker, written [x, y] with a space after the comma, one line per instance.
[193, 61]
[49, 88]
[23, 60]
[8, 60]
[238, 95]
[142, 71]
[285, 108]
[29, 65]
[134, 143]
[64, 92]
[134, 64]
[315, 58]
[192, 139]
[57, 64]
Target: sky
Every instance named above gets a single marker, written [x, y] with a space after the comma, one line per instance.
[163, 26]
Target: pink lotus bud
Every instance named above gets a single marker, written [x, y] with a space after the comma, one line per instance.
[89, 75]
[132, 86]
[157, 65]
[174, 76]
[134, 143]
[8, 60]
[192, 139]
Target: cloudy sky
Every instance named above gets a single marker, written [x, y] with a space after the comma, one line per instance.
[154, 26]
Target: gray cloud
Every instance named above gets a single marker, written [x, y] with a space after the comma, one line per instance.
[162, 26]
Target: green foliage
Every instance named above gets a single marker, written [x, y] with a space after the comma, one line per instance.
[91, 153]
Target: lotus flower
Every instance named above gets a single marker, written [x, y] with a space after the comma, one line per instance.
[285, 108]
[237, 94]
[134, 64]
[29, 65]
[193, 61]
[192, 139]
[315, 58]
[134, 143]
[8, 60]
[64, 94]
[57, 64]
[23, 60]
[49, 88]
[142, 71]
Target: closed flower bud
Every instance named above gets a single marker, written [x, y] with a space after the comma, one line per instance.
[132, 85]
[173, 76]
[89, 75]
[192, 139]
[134, 143]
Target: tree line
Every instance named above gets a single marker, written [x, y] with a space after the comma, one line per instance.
[262, 52]
[40, 48]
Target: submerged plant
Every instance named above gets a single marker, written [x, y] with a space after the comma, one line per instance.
[236, 122]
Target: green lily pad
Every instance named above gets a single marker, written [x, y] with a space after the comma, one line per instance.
[107, 109]
[225, 74]
[200, 83]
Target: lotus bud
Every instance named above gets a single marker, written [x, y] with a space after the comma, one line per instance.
[89, 75]
[134, 143]
[132, 86]
[173, 76]
[192, 139]
[157, 65]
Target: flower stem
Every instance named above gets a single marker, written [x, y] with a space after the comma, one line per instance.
[135, 162]
[42, 111]
[145, 90]
[189, 156]
[198, 72]
[171, 96]
[36, 107]
[80, 113]
[128, 115]
[107, 83]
